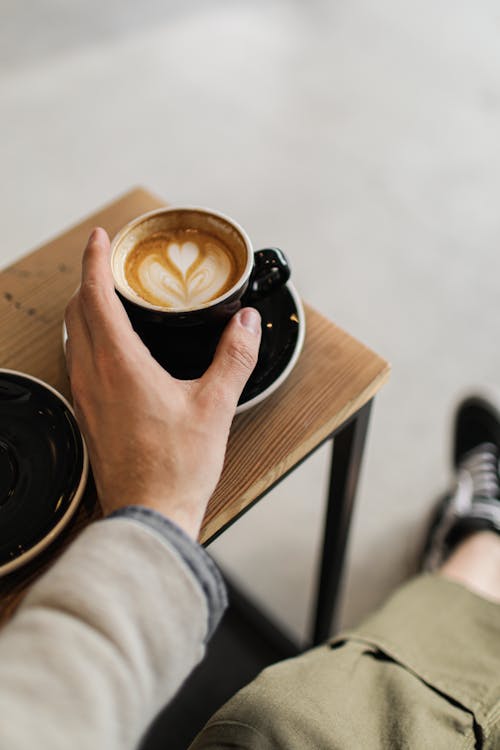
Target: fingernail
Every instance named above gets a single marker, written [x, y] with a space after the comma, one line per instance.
[93, 234]
[250, 319]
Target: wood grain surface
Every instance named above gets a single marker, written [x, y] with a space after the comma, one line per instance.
[334, 377]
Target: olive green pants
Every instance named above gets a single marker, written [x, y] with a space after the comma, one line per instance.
[422, 672]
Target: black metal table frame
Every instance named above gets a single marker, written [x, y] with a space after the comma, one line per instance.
[348, 443]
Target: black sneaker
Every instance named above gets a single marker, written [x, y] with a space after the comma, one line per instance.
[473, 504]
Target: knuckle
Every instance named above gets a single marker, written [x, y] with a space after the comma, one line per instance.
[88, 292]
[92, 293]
[239, 355]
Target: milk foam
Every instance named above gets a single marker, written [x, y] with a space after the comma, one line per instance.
[185, 275]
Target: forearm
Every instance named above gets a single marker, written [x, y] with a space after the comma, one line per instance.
[104, 639]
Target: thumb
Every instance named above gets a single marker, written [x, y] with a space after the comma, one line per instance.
[236, 356]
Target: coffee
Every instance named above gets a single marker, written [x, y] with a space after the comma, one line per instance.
[181, 268]
[181, 273]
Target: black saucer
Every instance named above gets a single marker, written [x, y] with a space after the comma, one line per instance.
[283, 327]
[43, 467]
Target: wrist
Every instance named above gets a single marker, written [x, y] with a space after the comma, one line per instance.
[186, 519]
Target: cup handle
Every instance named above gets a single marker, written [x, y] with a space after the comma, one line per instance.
[271, 270]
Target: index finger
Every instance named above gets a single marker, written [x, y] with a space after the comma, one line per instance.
[105, 315]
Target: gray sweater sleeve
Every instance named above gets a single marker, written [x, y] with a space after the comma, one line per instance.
[195, 557]
[106, 637]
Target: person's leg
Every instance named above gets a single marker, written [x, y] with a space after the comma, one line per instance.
[424, 670]
[476, 564]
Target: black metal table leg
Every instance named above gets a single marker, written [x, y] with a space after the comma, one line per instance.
[346, 459]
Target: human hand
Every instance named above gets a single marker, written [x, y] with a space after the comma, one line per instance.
[152, 440]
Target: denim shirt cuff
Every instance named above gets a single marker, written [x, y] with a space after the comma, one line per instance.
[194, 556]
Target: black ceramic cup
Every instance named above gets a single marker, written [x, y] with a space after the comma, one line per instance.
[184, 338]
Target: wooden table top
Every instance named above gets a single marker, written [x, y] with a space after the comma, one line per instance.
[334, 377]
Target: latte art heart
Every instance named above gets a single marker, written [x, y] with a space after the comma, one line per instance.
[181, 271]
[183, 256]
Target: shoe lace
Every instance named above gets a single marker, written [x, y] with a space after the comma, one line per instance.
[477, 476]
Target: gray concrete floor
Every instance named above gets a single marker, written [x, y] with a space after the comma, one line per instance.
[361, 137]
